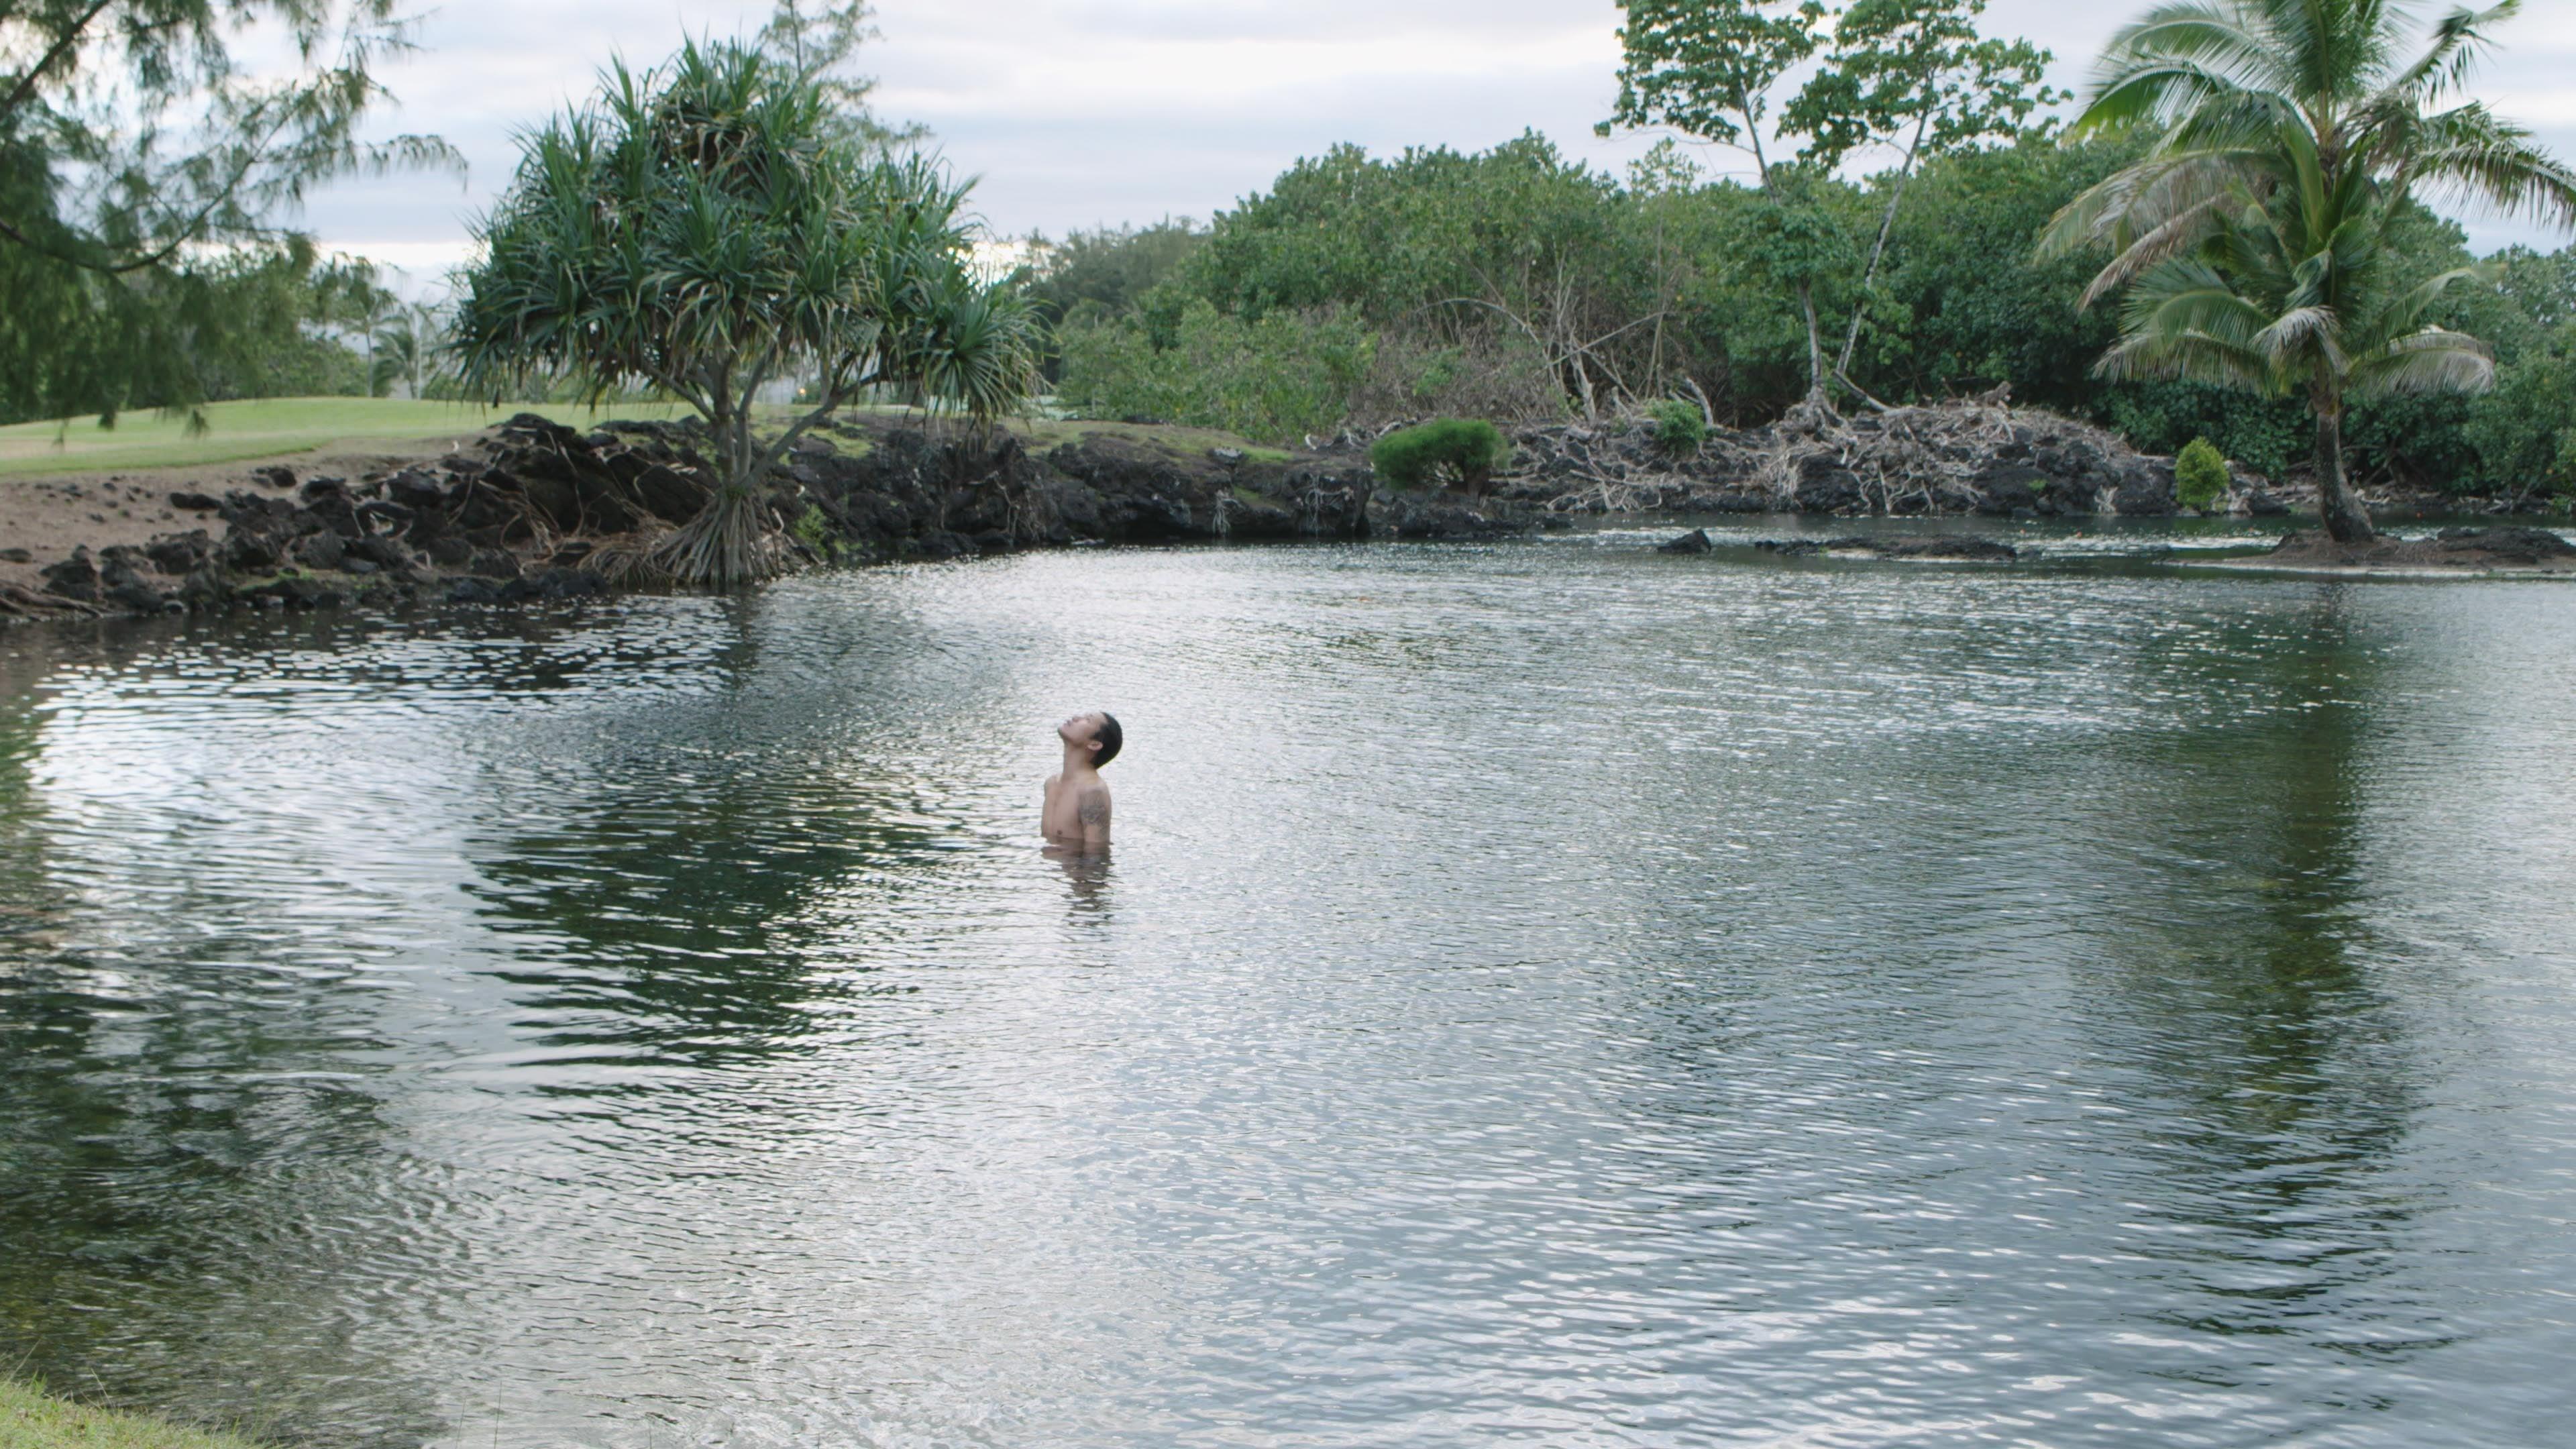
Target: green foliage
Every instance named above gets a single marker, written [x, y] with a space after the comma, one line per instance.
[30, 1418]
[1913, 76]
[1461, 450]
[1516, 260]
[93, 92]
[1916, 74]
[2257, 241]
[1706, 67]
[814, 528]
[710, 227]
[819, 40]
[1276, 379]
[1679, 428]
[2524, 433]
[1960, 306]
[265, 321]
[1104, 272]
[2200, 476]
[1465, 276]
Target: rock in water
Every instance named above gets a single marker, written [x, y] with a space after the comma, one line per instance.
[1695, 541]
[1982, 550]
[2509, 545]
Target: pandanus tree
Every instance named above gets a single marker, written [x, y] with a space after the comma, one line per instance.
[2253, 239]
[712, 229]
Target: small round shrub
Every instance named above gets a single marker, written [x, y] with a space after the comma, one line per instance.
[2200, 476]
[1466, 450]
[1679, 427]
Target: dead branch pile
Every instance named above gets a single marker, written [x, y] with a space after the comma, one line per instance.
[1904, 460]
[1617, 466]
[1939, 457]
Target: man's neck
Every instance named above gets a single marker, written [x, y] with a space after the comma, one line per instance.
[1077, 762]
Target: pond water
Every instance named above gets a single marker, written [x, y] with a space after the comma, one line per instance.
[1551, 993]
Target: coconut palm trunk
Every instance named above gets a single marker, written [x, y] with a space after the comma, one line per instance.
[2339, 505]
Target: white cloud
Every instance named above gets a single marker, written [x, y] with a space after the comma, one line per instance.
[1078, 112]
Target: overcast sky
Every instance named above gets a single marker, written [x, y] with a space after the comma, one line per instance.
[1082, 112]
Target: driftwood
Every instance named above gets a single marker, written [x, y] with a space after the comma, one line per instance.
[19, 599]
[1929, 458]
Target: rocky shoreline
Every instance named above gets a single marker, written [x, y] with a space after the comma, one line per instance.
[532, 510]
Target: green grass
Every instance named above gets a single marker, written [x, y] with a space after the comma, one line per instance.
[31, 1419]
[280, 427]
[237, 431]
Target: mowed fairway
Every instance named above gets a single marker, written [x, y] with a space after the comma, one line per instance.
[269, 428]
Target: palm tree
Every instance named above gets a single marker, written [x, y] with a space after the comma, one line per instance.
[2253, 236]
[399, 351]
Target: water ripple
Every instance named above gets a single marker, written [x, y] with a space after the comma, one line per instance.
[1547, 993]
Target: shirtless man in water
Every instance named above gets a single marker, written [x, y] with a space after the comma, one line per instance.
[1076, 815]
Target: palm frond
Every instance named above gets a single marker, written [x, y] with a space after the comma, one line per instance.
[2433, 360]
[2300, 334]
[2161, 66]
[2458, 42]
[2403, 315]
[2471, 154]
[2187, 357]
[2175, 236]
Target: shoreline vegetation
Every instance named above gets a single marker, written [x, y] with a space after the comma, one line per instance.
[2027, 311]
[31, 1418]
[535, 509]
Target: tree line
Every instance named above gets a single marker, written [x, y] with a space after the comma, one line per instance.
[2231, 240]
[1995, 249]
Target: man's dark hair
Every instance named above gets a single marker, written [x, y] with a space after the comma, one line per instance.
[1110, 738]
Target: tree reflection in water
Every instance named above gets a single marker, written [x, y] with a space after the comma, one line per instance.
[2264, 1080]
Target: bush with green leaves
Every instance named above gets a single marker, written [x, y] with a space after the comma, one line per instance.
[1465, 451]
[2200, 476]
[1679, 427]
[1272, 380]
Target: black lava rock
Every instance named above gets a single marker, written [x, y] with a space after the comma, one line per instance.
[180, 553]
[2510, 545]
[74, 578]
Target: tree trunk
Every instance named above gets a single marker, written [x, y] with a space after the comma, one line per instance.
[2346, 519]
[1816, 395]
[1886, 225]
[730, 542]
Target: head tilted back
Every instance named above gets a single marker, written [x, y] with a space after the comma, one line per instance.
[1109, 738]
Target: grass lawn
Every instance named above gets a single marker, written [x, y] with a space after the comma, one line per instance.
[281, 427]
[32, 1420]
[266, 429]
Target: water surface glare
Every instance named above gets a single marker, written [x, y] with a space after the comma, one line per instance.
[1546, 994]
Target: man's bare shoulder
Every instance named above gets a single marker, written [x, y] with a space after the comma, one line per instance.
[1093, 800]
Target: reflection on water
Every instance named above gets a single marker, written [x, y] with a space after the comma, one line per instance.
[1554, 993]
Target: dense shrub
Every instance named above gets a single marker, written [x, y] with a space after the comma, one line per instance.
[2525, 431]
[1679, 427]
[1466, 450]
[2200, 476]
[1518, 285]
[1274, 380]
[1468, 374]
